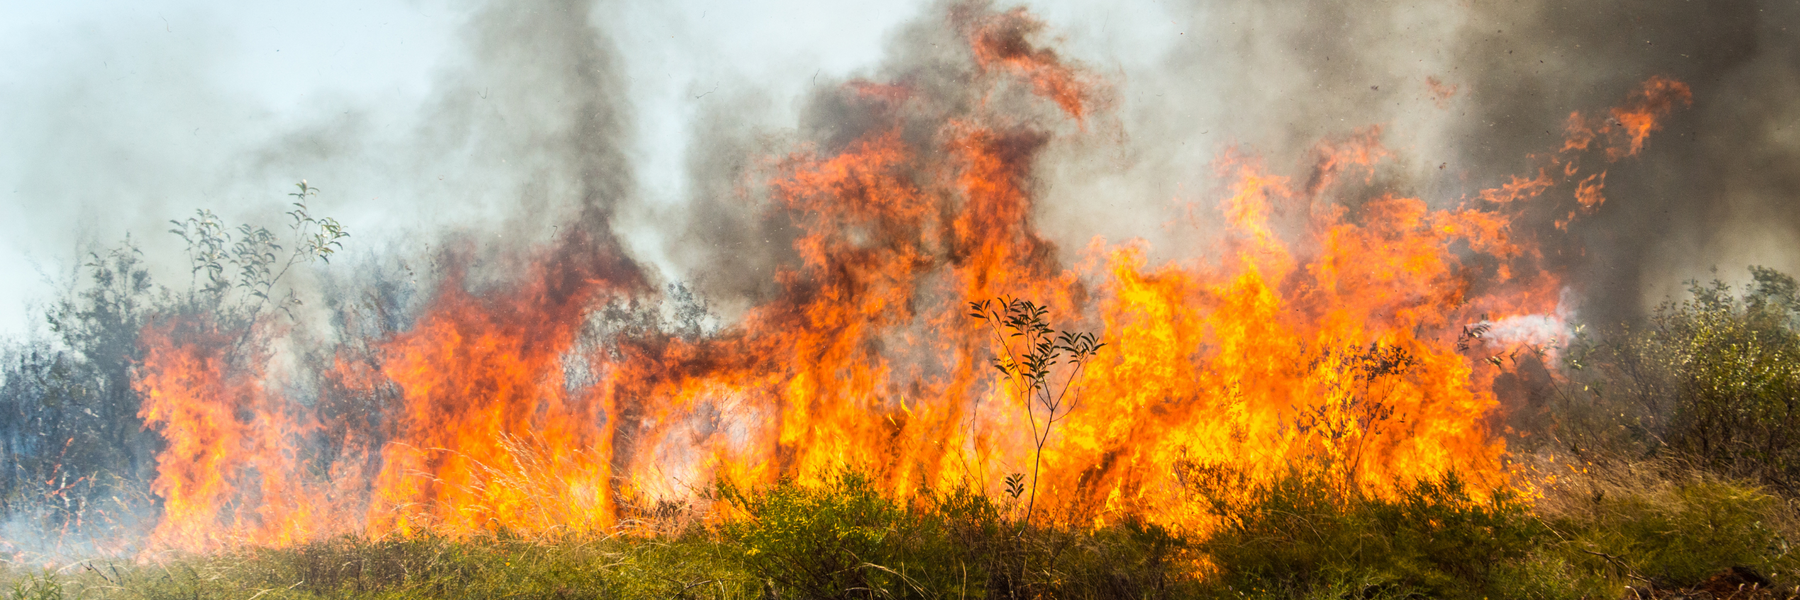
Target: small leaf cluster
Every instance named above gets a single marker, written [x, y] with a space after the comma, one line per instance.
[1041, 347]
[1029, 350]
[320, 237]
[250, 261]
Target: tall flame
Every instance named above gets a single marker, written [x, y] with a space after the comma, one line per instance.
[1254, 359]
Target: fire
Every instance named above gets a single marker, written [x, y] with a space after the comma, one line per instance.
[1325, 328]
[227, 473]
[1003, 41]
[476, 392]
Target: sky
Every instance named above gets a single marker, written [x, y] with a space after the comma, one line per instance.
[116, 117]
[120, 116]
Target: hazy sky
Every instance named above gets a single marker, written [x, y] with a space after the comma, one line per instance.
[116, 117]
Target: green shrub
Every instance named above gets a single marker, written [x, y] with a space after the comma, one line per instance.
[1675, 530]
[35, 586]
[1714, 378]
[844, 539]
[1299, 535]
[1737, 373]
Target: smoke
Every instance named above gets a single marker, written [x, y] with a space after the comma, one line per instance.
[1465, 95]
[503, 123]
[1716, 190]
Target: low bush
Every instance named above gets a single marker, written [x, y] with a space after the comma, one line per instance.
[1714, 379]
[844, 539]
[1298, 534]
[1667, 525]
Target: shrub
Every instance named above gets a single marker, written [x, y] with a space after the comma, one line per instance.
[1714, 378]
[73, 450]
[34, 586]
[844, 539]
[1301, 534]
[839, 540]
[1667, 525]
[1736, 366]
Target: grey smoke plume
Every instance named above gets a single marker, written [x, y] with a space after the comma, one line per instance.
[530, 119]
[539, 112]
[1465, 95]
[1717, 186]
[519, 133]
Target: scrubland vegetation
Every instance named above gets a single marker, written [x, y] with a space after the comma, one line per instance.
[1665, 461]
[1656, 458]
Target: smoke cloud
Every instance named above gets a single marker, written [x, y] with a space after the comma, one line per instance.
[1466, 95]
[504, 123]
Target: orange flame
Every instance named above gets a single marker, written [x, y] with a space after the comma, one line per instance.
[1004, 41]
[227, 473]
[866, 357]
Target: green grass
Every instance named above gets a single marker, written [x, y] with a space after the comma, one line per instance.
[488, 567]
[1303, 535]
[843, 539]
[1295, 537]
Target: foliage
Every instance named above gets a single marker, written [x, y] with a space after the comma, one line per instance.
[1715, 377]
[71, 444]
[844, 539]
[1302, 533]
[74, 452]
[1351, 414]
[1665, 525]
[35, 586]
[248, 262]
[1296, 536]
[1029, 351]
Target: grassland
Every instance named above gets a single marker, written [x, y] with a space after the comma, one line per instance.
[1618, 528]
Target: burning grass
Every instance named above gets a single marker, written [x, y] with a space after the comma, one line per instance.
[866, 353]
[1603, 514]
[1310, 407]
